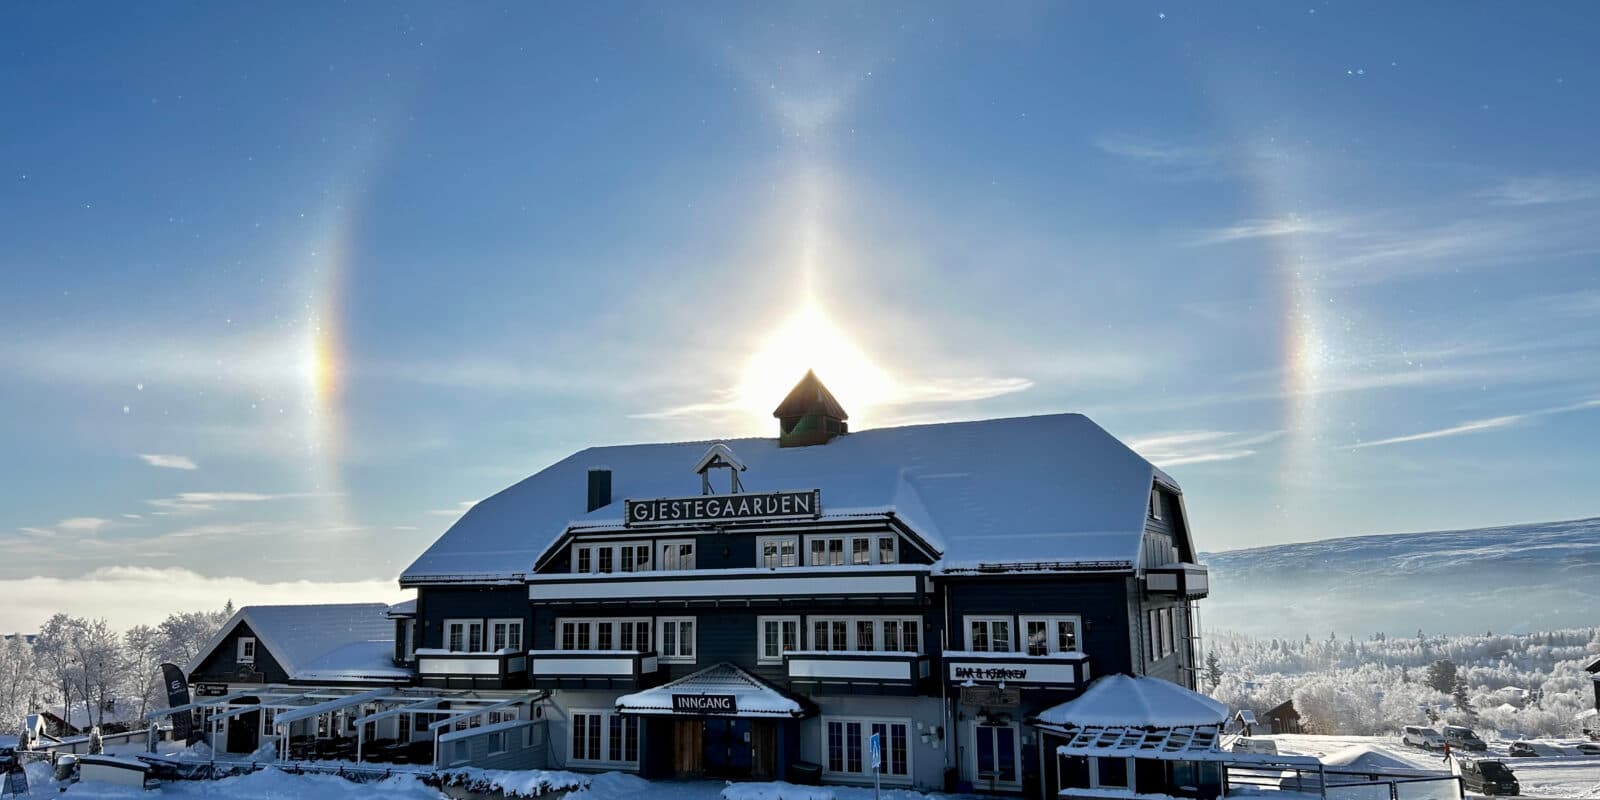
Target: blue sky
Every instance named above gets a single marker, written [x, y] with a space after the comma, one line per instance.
[286, 286]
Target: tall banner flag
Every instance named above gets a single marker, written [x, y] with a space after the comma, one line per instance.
[178, 695]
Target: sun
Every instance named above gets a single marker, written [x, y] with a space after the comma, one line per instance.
[809, 340]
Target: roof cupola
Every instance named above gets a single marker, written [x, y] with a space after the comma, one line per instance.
[810, 414]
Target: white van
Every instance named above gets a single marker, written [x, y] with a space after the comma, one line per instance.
[1423, 737]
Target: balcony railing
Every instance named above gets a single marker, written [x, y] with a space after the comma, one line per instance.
[1191, 581]
[883, 670]
[575, 669]
[1020, 670]
[499, 669]
[904, 583]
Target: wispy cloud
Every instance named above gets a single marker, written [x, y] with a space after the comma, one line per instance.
[89, 524]
[1157, 153]
[461, 508]
[1267, 228]
[1544, 189]
[910, 393]
[1476, 426]
[168, 461]
[208, 501]
[1198, 447]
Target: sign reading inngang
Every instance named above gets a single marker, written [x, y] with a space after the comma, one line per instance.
[724, 508]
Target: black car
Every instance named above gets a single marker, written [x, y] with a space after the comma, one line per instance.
[1521, 750]
[1488, 777]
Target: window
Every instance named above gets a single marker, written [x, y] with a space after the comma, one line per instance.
[1047, 635]
[411, 640]
[677, 639]
[677, 555]
[779, 551]
[497, 743]
[635, 557]
[777, 635]
[835, 551]
[463, 635]
[505, 634]
[989, 634]
[585, 560]
[1169, 634]
[604, 737]
[1162, 636]
[269, 717]
[247, 650]
[879, 634]
[1155, 504]
[605, 558]
[846, 753]
[625, 635]
[1113, 773]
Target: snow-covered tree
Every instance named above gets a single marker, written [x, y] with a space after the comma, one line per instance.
[18, 690]
[141, 681]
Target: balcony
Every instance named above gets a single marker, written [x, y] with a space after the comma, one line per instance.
[871, 672]
[1017, 670]
[592, 669]
[1189, 581]
[454, 669]
[888, 583]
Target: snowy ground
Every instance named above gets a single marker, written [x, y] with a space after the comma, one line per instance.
[273, 785]
[1558, 772]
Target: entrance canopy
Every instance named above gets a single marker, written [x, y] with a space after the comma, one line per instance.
[722, 690]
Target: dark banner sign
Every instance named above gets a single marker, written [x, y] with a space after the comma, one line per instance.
[990, 696]
[177, 695]
[210, 689]
[703, 704]
[724, 508]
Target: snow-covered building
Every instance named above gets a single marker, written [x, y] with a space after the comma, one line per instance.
[1594, 673]
[764, 607]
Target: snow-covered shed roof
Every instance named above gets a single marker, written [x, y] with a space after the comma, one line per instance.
[1361, 757]
[752, 697]
[335, 642]
[1054, 488]
[1138, 702]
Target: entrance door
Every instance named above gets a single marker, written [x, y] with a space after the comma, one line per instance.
[687, 755]
[763, 750]
[244, 732]
[995, 762]
[727, 747]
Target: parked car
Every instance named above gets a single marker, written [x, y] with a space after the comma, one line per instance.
[1460, 738]
[1419, 736]
[1487, 776]
[1589, 748]
[1521, 750]
[1245, 744]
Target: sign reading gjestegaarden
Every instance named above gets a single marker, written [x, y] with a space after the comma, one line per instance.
[724, 508]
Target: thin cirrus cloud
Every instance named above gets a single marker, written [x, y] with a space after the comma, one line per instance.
[1198, 447]
[186, 502]
[1269, 228]
[168, 461]
[461, 508]
[1476, 426]
[1539, 190]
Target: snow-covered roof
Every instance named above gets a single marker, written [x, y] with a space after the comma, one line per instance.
[752, 697]
[1055, 488]
[122, 711]
[1181, 742]
[1363, 757]
[319, 642]
[405, 609]
[1123, 700]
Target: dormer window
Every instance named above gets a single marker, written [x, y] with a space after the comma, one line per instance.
[247, 650]
[862, 549]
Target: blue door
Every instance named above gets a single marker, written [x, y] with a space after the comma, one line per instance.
[727, 747]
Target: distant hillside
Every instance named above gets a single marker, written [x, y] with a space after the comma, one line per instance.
[1515, 578]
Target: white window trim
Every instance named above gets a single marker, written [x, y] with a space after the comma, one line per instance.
[990, 619]
[1155, 504]
[661, 557]
[466, 635]
[877, 548]
[971, 767]
[866, 760]
[808, 631]
[661, 640]
[761, 637]
[594, 623]
[847, 541]
[763, 541]
[411, 640]
[615, 548]
[488, 640]
[605, 715]
[1094, 774]
[1052, 643]
[253, 644]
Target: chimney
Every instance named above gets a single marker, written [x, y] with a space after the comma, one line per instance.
[599, 487]
[809, 415]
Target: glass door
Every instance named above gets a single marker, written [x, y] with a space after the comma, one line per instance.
[996, 757]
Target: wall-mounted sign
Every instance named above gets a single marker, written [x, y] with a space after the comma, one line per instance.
[704, 704]
[990, 696]
[210, 689]
[990, 673]
[724, 508]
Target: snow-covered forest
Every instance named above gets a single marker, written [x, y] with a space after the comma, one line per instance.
[1530, 684]
[103, 675]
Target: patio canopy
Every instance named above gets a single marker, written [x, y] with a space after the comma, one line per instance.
[721, 690]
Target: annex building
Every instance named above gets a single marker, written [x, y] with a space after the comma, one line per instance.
[760, 608]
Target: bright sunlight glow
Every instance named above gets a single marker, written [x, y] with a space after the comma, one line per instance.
[809, 340]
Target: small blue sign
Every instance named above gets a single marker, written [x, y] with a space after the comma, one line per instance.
[875, 750]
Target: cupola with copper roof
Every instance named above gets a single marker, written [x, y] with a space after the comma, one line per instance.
[810, 414]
